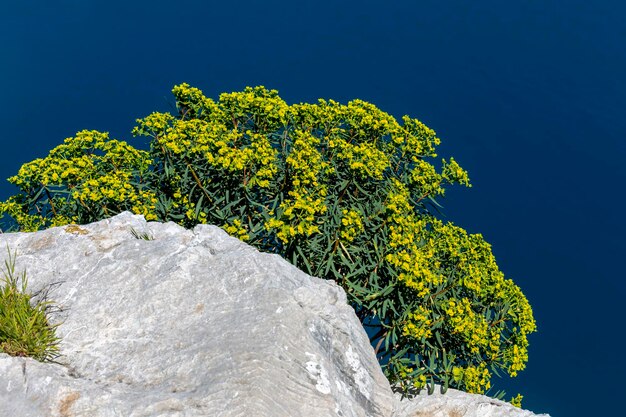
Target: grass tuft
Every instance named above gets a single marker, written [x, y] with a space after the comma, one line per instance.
[137, 235]
[24, 327]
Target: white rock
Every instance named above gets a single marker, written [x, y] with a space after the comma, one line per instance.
[456, 403]
[196, 323]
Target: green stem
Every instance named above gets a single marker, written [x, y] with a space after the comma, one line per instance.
[195, 177]
[54, 212]
[380, 342]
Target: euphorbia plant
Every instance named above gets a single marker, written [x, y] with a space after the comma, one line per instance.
[345, 192]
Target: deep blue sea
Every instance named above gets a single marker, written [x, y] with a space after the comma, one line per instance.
[529, 96]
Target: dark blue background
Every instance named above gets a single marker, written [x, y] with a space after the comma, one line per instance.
[529, 96]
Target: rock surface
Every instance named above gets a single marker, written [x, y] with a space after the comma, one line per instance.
[456, 403]
[196, 323]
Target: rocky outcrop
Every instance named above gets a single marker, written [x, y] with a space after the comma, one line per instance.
[196, 323]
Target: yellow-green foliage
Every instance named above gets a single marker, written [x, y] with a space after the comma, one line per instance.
[517, 400]
[88, 177]
[24, 327]
[344, 192]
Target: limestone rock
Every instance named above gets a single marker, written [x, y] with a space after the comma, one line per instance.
[192, 323]
[456, 403]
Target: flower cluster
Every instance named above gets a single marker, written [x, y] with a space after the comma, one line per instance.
[419, 140]
[237, 229]
[517, 401]
[453, 173]
[475, 379]
[365, 159]
[425, 178]
[472, 328]
[418, 325]
[351, 225]
[255, 107]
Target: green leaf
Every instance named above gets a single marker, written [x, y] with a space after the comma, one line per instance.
[438, 337]
[198, 207]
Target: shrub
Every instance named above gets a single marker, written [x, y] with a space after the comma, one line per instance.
[24, 327]
[344, 192]
[88, 177]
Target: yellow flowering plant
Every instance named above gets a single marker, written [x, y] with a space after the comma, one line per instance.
[343, 191]
[87, 178]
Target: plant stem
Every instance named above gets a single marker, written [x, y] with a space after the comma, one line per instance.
[195, 177]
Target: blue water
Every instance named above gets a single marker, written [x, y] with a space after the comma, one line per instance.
[529, 96]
